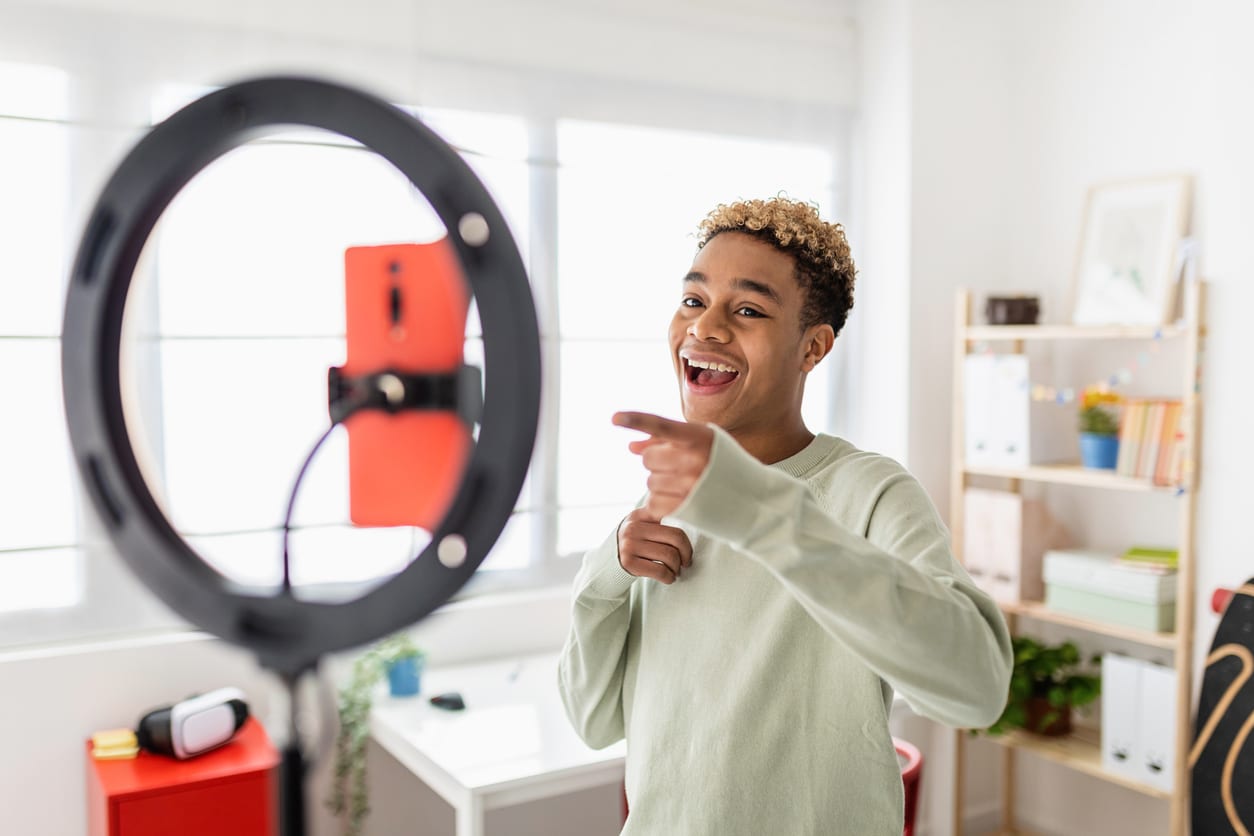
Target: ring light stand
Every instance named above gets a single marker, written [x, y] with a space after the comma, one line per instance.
[289, 635]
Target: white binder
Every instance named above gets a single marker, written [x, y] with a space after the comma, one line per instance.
[1004, 427]
[979, 406]
[1121, 722]
[1156, 761]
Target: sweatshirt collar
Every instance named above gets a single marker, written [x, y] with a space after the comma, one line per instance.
[801, 462]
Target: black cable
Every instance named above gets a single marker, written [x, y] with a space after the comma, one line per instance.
[291, 506]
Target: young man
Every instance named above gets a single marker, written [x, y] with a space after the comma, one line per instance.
[745, 627]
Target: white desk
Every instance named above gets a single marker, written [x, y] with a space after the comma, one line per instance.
[512, 743]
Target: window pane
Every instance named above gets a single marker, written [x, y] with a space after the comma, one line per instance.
[255, 244]
[599, 379]
[36, 483]
[253, 559]
[170, 98]
[630, 199]
[339, 561]
[581, 529]
[34, 207]
[240, 416]
[42, 579]
[326, 557]
[347, 554]
[513, 549]
[496, 148]
[34, 91]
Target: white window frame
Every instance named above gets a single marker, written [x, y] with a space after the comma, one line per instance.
[114, 88]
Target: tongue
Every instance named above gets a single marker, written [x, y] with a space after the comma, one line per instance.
[709, 377]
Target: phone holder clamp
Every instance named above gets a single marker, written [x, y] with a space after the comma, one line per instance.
[393, 391]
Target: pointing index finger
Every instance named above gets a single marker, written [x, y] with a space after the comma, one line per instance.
[656, 426]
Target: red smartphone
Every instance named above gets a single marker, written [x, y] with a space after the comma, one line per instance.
[406, 307]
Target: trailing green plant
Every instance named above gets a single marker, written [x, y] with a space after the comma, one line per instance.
[350, 797]
[1055, 673]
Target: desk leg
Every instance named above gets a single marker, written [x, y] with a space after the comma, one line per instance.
[470, 817]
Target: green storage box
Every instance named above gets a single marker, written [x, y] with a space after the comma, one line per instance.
[1094, 585]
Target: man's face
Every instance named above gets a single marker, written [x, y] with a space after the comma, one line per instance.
[736, 340]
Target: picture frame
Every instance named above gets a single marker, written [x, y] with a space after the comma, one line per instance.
[1128, 263]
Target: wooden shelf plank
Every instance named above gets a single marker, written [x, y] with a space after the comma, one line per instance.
[994, 333]
[1080, 751]
[1037, 610]
[1073, 474]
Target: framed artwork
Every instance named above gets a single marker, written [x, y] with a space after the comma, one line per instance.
[1127, 268]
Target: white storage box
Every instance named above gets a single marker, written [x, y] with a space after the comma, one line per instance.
[1095, 586]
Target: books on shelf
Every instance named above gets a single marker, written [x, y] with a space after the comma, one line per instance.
[1152, 441]
[1151, 559]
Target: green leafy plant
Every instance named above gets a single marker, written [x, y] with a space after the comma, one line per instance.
[350, 797]
[1056, 674]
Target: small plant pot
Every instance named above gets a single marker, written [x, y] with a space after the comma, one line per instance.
[1099, 451]
[405, 677]
[1037, 708]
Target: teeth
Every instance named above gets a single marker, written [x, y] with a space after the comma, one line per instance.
[701, 364]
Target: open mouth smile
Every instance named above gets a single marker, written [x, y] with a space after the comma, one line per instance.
[705, 376]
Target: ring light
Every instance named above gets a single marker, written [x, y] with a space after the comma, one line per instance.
[287, 634]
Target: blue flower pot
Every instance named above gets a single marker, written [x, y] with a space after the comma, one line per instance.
[1099, 451]
[405, 677]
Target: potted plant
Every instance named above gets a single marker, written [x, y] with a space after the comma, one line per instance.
[1099, 428]
[350, 798]
[1047, 682]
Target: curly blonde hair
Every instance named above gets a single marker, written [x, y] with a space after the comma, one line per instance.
[825, 268]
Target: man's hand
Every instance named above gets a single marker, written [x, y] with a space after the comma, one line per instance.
[648, 549]
[675, 454]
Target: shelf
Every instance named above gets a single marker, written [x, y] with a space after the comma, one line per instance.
[994, 333]
[1080, 751]
[1073, 474]
[1040, 612]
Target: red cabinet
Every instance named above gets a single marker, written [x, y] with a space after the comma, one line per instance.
[229, 790]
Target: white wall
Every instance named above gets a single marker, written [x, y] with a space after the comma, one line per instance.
[1015, 109]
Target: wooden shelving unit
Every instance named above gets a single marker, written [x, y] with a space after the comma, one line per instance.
[1037, 611]
[1073, 474]
[1081, 751]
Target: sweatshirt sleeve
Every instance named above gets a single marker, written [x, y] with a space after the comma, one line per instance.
[896, 598]
[594, 659]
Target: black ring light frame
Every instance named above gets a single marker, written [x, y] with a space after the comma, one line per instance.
[287, 634]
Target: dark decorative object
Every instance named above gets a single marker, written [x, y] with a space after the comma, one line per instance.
[1012, 310]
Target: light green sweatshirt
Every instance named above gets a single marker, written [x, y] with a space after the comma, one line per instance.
[754, 692]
